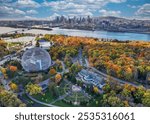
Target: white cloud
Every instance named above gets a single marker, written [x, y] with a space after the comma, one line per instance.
[79, 7]
[27, 4]
[133, 6]
[32, 12]
[66, 7]
[10, 12]
[104, 12]
[66, 4]
[144, 10]
[5, 1]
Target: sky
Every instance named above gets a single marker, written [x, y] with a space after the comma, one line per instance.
[50, 9]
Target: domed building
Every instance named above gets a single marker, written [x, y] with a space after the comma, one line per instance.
[36, 59]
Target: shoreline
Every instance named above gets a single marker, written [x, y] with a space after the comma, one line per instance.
[106, 30]
[81, 29]
[100, 34]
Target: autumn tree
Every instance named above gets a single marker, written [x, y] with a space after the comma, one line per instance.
[112, 100]
[13, 68]
[95, 89]
[138, 94]
[16, 64]
[107, 88]
[59, 66]
[13, 86]
[33, 89]
[58, 78]
[52, 71]
[75, 68]
[4, 71]
[146, 98]
[8, 99]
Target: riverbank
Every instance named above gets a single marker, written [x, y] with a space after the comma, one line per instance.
[117, 31]
[107, 36]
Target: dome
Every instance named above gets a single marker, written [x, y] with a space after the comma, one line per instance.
[36, 59]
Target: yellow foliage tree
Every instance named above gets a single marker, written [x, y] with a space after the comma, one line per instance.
[3, 70]
[95, 89]
[33, 89]
[13, 86]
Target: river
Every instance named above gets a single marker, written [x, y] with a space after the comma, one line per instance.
[84, 33]
[103, 34]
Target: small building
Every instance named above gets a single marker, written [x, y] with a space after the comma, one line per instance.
[45, 44]
[90, 77]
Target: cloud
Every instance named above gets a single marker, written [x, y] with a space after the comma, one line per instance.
[10, 9]
[133, 6]
[10, 12]
[27, 4]
[78, 7]
[31, 12]
[104, 12]
[144, 10]
[76, 4]
[5, 1]
[26, 8]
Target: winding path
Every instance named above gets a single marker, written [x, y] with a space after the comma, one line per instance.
[42, 103]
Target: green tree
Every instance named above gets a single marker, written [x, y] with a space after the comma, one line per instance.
[8, 99]
[37, 44]
[146, 98]
[114, 101]
[107, 88]
[138, 94]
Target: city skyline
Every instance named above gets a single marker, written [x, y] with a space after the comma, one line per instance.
[49, 9]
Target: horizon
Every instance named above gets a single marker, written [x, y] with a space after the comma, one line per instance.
[45, 19]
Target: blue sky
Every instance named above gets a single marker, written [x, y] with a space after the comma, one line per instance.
[49, 9]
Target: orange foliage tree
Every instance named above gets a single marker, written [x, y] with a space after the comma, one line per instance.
[13, 68]
[52, 71]
[58, 78]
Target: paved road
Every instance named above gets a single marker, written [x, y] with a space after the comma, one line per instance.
[45, 84]
[64, 69]
[61, 97]
[105, 76]
[13, 57]
[80, 57]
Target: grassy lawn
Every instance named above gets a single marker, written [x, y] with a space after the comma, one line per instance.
[63, 104]
[93, 104]
[47, 97]
[28, 101]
